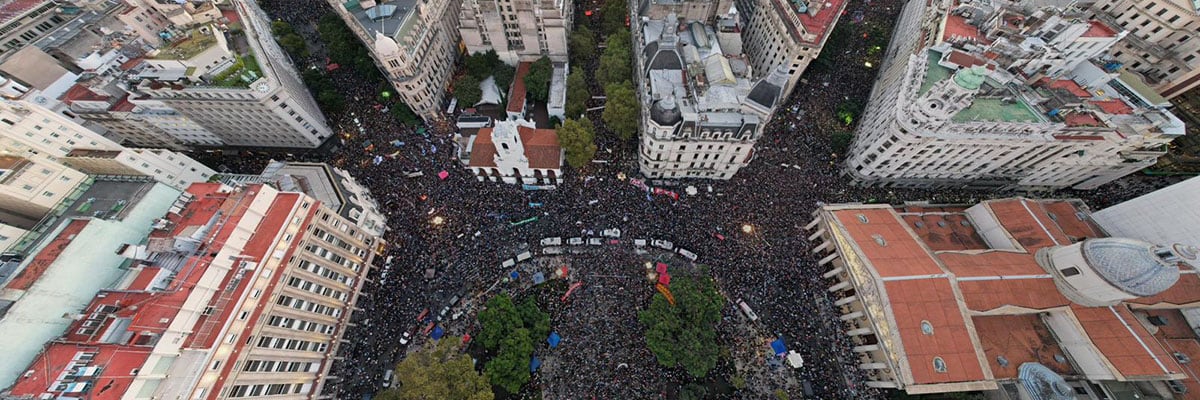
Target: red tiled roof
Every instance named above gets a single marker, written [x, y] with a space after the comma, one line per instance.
[901, 254]
[123, 105]
[1067, 217]
[1184, 292]
[945, 231]
[990, 263]
[1032, 293]
[44, 258]
[958, 30]
[1099, 29]
[516, 93]
[1070, 86]
[14, 8]
[1177, 326]
[963, 59]
[1019, 339]
[1082, 119]
[1126, 344]
[231, 15]
[144, 278]
[822, 24]
[79, 92]
[932, 300]
[133, 62]
[541, 148]
[1028, 223]
[1190, 348]
[1113, 106]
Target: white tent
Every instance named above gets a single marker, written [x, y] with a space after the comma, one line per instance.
[491, 92]
[794, 359]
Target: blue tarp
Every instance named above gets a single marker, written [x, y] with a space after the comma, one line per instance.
[534, 364]
[437, 333]
[553, 339]
[779, 347]
[514, 275]
[538, 278]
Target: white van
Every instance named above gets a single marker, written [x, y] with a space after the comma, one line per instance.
[552, 241]
[663, 244]
[612, 233]
[686, 254]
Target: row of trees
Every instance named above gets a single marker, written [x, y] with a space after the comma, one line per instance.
[510, 331]
[345, 49]
[439, 372]
[685, 334]
[578, 139]
[621, 110]
[289, 40]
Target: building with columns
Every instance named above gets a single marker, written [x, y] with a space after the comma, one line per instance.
[517, 30]
[414, 43]
[1021, 298]
[1163, 47]
[1008, 98]
[238, 292]
[704, 107]
[512, 151]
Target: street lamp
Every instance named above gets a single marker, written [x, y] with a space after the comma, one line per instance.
[746, 228]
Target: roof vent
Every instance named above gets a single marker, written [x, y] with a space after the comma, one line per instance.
[919, 224]
[879, 240]
[965, 223]
[1002, 361]
[926, 328]
[1060, 359]
[939, 365]
[862, 218]
[941, 224]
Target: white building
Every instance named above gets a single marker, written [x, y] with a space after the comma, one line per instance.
[334, 187]
[253, 98]
[786, 34]
[705, 111]
[36, 131]
[1162, 47]
[517, 30]
[22, 22]
[946, 111]
[1167, 215]
[31, 186]
[414, 44]
[512, 151]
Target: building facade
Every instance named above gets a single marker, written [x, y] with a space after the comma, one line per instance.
[247, 94]
[1162, 47]
[947, 112]
[785, 34]
[24, 21]
[415, 46]
[271, 278]
[1011, 297]
[513, 152]
[517, 30]
[705, 112]
[31, 186]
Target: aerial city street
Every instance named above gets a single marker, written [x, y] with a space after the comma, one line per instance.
[599, 199]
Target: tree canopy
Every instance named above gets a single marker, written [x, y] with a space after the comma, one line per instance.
[685, 334]
[582, 45]
[485, 64]
[578, 138]
[328, 98]
[288, 39]
[537, 81]
[621, 110]
[616, 62]
[344, 47]
[613, 14]
[512, 329]
[467, 91]
[577, 93]
[439, 372]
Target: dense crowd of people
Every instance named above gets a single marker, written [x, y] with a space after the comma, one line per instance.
[604, 356]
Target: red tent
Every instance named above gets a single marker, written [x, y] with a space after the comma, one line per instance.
[664, 279]
[661, 268]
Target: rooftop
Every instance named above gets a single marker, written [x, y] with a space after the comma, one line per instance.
[1099, 29]
[893, 251]
[934, 73]
[390, 18]
[541, 148]
[196, 41]
[918, 304]
[516, 92]
[1018, 339]
[13, 8]
[996, 109]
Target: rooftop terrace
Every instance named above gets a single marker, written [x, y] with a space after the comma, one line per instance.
[390, 17]
[197, 40]
[994, 109]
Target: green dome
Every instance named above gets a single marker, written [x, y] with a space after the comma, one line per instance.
[971, 78]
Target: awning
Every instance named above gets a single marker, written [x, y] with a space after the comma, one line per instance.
[779, 347]
[553, 339]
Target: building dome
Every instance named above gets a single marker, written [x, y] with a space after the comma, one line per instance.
[971, 78]
[665, 112]
[1042, 383]
[1137, 267]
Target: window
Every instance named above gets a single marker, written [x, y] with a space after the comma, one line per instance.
[1069, 271]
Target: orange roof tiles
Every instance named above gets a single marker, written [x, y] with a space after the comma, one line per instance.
[541, 148]
[958, 30]
[1070, 86]
[1113, 106]
[1028, 223]
[1076, 119]
[1184, 292]
[1099, 29]
[941, 231]
[822, 24]
[1177, 326]
[901, 254]
[1190, 348]
[1019, 339]
[932, 300]
[1124, 342]
[144, 278]
[990, 263]
[81, 93]
[1032, 293]
[516, 93]
[111, 382]
[1067, 218]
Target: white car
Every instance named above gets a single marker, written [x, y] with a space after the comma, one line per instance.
[663, 244]
[612, 233]
[686, 254]
[524, 256]
[639, 242]
[552, 241]
[404, 338]
[595, 242]
[575, 241]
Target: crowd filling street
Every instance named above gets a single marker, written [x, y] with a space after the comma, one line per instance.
[748, 230]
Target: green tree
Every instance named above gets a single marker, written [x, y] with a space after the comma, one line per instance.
[440, 372]
[510, 368]
[537, 81]
[692, 391]
[579, 141]
[534, 318]
[512, 330]
[404, 114]
[582, 45]
[294, 45]
[498, 319]
[281, 28]
[613, 14]
[577, 93]
[615, 63]
[331, 102]
[481, 65]
[467, 91]
[503, 74]
[685, 334]
[621, 110]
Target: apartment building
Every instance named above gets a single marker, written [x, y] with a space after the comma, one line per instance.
[517, 30]
[31, 186]
[965, 98]
[1018, 298]
[269, 279]
[1163, 46]
[705, 110]
[787, 34]
[240, 87]
[414, 43]
[24, 21]
[34, 131]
